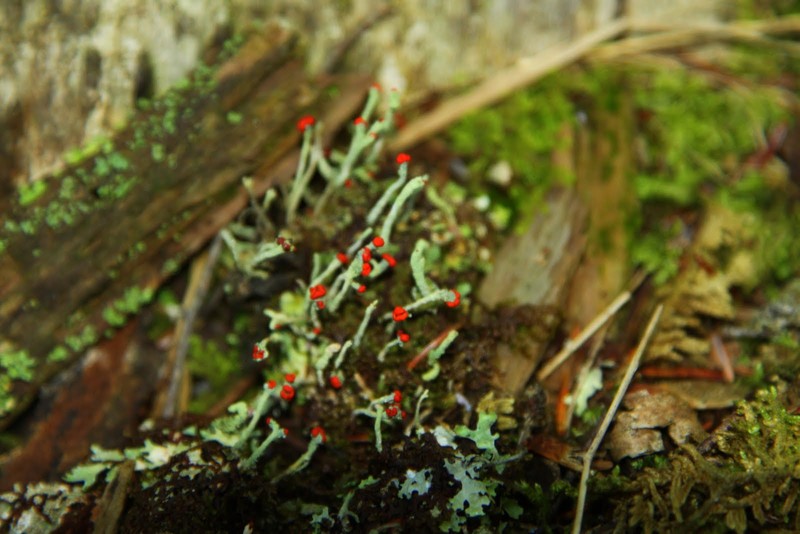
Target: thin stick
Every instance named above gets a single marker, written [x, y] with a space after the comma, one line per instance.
[612, 410]
[199, 281]
[502, 84]
[669, 36]
[574, 344]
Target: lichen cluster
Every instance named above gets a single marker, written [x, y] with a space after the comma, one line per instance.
[369, 363]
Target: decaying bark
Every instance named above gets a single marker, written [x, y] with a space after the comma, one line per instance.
[127, 216]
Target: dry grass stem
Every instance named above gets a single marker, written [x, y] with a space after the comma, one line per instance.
[500, 85]
[168, 404]
[659, 37]
[633, 365]
[575, 343]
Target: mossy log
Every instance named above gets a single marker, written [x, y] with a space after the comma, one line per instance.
[82, 250]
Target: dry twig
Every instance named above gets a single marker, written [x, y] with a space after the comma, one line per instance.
[612, 410]
[500, 85]
[199, 280]
[657, 37]
[575, 343]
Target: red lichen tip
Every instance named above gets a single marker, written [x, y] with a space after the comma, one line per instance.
[403, 158]
[285, 244]
[388, 258]
[377, 86]
[366, 269]
[320, 304]
[366, 254]
[398, 396]
[258, 353]
[336, 382]
[287, 392]
[399, 314]
[403, 336]
[342, 257]
[362, 288]
[305, 122]
[319, 431]
[378, 241]
[359, 120]
[271, 384]
[456, 301]
[290, 377]
[317, 330]
[391, 411]
[317, 292]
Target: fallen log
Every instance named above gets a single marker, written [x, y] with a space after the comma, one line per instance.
[81, 251]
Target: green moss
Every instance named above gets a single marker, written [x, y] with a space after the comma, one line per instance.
[697, 136]
[656, 252]
[67, 189]
[122, 186]
[694, 129]
[748, 482]
[694, 135]
[523, 131]
[27, 227]
[234, 118]
[170, 266]
[113, 317]
[118, 162]
[58, 354]
[99, 177]
[29, 192]
[777, 241]
[74, 343]
[133, 299]
[169, 121]
[763, 9]
[17, 364]
[85, 338]
[94, 146]
[182, 84]
[214, 365]
[101, 167]
[157, 152]
[231, 46]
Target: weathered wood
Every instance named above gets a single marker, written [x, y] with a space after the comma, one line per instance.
[89, 250]
[534, 269]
